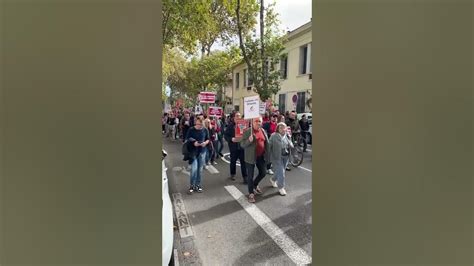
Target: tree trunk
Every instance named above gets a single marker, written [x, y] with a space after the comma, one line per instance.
[241, 42]
[203, 50]
[262, 47]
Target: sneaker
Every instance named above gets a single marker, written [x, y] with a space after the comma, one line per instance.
[270, 172]
[214, 162]
[274, 183]
[199, 189]
[208, 163]
[252, 198]
[191, 189]
[282, 191]
[221, 155]
[257, 190]
[232, 177]
[288, 169]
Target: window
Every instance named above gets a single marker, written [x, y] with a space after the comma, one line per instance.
[309, 58]
[245, 77]
[301, 102]
[237, 80]
[281, 103]
[305, 59]
[284, 66]
[249, 80]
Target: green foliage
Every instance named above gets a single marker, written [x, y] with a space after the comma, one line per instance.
[183, 22]
[260, 60]
[187, 78]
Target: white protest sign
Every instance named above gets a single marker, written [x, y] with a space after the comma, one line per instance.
[198, 109]
[251, 107]
[263, 108]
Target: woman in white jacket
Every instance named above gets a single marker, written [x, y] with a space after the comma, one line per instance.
[280, 145]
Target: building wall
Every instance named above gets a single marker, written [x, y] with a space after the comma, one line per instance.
[294, 82]
[241, 92]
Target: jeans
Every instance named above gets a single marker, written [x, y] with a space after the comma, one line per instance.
[279, 168]
[196, 169]
[305, 144]
[234, 155]
[262, 171]
[208, 152]
[220, 144]
[214, 155]
[172, 131]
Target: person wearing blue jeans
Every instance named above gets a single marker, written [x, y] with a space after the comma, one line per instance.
[196, 172]
[279, 145]
[198, 138]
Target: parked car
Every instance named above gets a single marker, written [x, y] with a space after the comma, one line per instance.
[308, 115]
[167, 219]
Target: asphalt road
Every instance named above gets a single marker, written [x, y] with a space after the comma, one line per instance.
[228, 231]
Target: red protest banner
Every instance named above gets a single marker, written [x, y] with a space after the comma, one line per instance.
[240, 126]
[215, 111]
[207, 97]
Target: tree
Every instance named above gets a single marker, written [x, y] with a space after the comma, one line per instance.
[187, 78]
[183, 23]
[263, 53]
[219, 23]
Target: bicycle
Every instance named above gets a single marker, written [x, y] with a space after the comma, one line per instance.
[296, 153]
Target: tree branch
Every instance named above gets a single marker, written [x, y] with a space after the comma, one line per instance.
[262, 47]
[241, 41]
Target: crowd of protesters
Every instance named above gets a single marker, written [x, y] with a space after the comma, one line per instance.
[264, 145]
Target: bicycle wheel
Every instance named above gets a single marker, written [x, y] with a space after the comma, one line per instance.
[296, 156]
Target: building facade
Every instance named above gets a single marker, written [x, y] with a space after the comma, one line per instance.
[295, 78]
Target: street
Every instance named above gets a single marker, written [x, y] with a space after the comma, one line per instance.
[224, 229]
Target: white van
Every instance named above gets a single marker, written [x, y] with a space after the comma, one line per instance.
[167, 219]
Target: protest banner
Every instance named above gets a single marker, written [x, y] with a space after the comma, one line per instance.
[251, 107]
[215, 111]
[240, 126]
[262, 108]
[207, 97]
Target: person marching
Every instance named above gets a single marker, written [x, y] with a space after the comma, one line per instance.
[280, 144]
[236, 152]
[198, 138]
[255, 143]
[270, 128]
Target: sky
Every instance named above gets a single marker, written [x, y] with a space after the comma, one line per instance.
[292, 14]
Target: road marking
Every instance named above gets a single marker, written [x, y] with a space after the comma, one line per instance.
[225, 160]
[185, 229]
[212, 169]
[184, 171]
[176, 258]
[296, 254]
[305, 169]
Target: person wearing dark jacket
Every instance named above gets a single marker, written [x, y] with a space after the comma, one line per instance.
[198, 137]
[236, 152]
[304, 126]
[185, 125]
